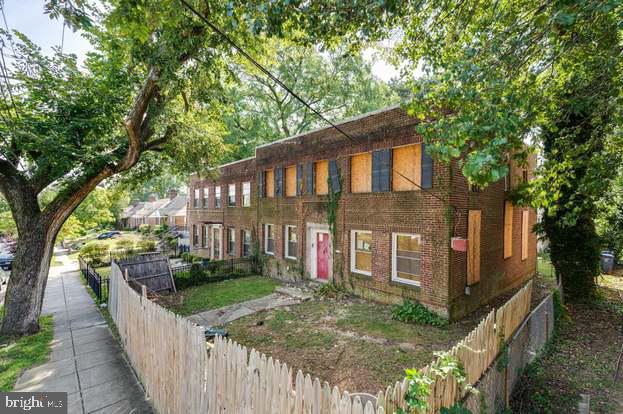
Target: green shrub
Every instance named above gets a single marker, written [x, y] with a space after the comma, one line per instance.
[144, 228]
[94, 252]
[160, 229]
[190, 258]
[147, 245]
[415, 312]
[125, 244]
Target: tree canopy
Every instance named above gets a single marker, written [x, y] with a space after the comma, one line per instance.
[502, 73]
[336, 83]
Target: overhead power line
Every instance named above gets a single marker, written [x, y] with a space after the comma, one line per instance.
[258, 65]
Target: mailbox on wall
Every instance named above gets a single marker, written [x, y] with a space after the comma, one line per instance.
[459, 244]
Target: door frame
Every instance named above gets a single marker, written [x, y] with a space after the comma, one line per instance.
[311, 234]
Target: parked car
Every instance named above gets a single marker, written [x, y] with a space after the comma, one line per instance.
[108, 235]
[6, 261]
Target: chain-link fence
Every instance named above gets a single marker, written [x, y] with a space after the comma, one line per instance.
[497, 384]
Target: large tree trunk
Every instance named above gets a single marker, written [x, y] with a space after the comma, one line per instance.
[24, 296]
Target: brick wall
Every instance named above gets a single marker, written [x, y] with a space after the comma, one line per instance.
[426, 213]
[497, 275]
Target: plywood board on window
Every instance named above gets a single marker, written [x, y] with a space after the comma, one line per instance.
[322, 175]
[270, 183]
[291, 181]
[473, 247]
[407, 162]
[508, 229]
[525, 231]
[361, 173]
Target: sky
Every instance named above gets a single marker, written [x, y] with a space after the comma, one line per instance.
[27, 17]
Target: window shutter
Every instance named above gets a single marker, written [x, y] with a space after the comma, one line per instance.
[299, 179]
[334, 173]
[427, 169]
[261, 177]
[309, 185]
[279, 182]
[381, 170]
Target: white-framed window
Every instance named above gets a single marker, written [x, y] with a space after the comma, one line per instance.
[196, 198]
[206, 196]
[217, 196]
[269, 239]
[290, 241]
[406, 258]
[246, 194]
[231, 241]
[246, 243]
[231, 195]
[361, 252]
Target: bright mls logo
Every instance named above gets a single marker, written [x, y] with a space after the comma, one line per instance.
[33, 402]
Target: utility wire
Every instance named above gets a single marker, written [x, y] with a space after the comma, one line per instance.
[290, 91]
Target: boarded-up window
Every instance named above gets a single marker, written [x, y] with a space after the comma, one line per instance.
[473, 247]
[407, 168]
[261, 184]
[361, 173]
[291, 181]
[508, 229]
[381, 170]
[406, 258]
[279, 182]
[322, 175]
[269, 182]
[525, 231]
[361, 252]
[334, 173]
[299, 180]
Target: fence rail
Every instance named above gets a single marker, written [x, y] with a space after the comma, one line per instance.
[97, 283]
[169, 354]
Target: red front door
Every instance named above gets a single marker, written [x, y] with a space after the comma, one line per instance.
[322, 256]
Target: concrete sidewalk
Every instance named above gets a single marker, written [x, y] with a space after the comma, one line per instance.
[86, 361]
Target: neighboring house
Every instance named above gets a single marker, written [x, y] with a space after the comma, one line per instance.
[170, 211]
[448, 246]
[173, 213]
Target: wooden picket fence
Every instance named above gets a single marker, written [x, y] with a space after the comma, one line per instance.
[181, 376]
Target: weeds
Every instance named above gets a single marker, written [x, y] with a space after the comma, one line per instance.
[414, 312]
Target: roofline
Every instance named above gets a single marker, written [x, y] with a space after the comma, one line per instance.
[342, 122]
[236, 162]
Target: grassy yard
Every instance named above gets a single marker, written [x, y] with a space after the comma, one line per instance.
[219, 294]
[103, 271]
[349, 342]
[581, 360]
[23, 353]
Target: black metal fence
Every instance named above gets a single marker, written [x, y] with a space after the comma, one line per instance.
[97, 283]
[192, 274]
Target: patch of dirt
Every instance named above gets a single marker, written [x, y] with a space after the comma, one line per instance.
[353, 343]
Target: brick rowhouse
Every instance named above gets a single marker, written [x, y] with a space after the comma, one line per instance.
[392, 240]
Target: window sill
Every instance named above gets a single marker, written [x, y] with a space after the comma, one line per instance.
[405, 282]
[291, 258]
[361, 272]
